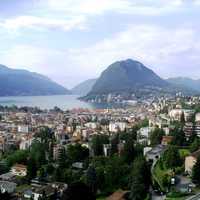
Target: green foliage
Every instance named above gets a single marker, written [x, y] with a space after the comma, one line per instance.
[182, 120]
[156, 136]
[31, 169]
[143, 123]
[97, 144]
[3, 167]
[171, 158]
[114, 144]
[19, 156]
[38, 154]
[77, 153]
[112, 173]
[140, 179]
[129, 151]
[178, 137]
[195, 145]
[91, 179]
[196, 172]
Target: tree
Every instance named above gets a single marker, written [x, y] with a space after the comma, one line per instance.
[196, 172]
[38, 154]
[182, 120]
[77, 153]
[58, 174]
[195, 145]
[97, 144]
[19, 156]
[171, 157]
[114, 144]
[129, 151]
[91, 179]
[178, 137]
[77, 191]
[138, 191]
[140, 179]
[156, 136]
[31, 169]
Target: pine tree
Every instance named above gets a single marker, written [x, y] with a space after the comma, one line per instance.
[171, 157]
[129, 151]
[140, 180]
[182, 120]
[91, 179]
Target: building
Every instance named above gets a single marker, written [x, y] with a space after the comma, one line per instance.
[23, 128]
[19, 170]
[188, 114]
[107, 149]
[44, 191]
[8, 187]
[117, 126]
[92, 125]
[188, 129]
[197, 117]
[175, 114]
[166, 140]
[154, 153]
[190, 161]
[197, 128]
[26, 142]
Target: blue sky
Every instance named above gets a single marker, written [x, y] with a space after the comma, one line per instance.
[73, 40]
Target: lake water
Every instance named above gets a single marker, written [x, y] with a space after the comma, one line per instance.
[47, 102]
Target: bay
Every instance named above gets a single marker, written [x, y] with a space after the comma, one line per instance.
[64, 102]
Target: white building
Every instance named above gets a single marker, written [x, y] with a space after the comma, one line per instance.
[197, 117]
[175, 114]
[23, 128]
[26, 142]
[117, 126]
[92, 125]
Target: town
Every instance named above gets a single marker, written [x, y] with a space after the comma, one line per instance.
[146, 151]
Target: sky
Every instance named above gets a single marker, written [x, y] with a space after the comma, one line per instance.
[74, 40]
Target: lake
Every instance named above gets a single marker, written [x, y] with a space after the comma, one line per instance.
[47, 102]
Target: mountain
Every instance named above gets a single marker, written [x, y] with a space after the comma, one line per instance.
[186, 82]
[84, 88]
[126, 77]
[16, 82]
[130, 79]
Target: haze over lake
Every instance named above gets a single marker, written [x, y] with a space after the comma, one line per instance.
[47, 102]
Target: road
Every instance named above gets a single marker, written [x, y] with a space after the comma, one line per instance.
[196, 197]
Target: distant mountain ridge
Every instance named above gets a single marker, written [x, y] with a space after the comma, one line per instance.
[16, 82]
[185, 82]
[84, 88]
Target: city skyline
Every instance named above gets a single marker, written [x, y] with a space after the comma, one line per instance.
[71, 41]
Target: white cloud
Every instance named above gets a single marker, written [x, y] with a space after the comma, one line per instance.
[169, 52]
[41, 23]
[31, 57]
[91, 7]
[75, 14]
[166, 50]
